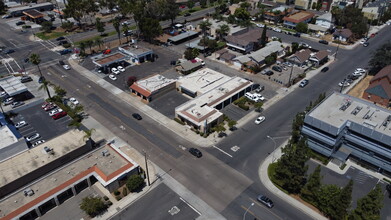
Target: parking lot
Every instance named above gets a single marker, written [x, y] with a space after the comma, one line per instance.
[162, 203]
[38, 121]
[167, 103]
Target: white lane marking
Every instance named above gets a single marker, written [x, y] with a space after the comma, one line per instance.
[222, 151]
[235, 148]
[199, 213]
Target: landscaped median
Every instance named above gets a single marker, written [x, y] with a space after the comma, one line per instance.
[51, 35]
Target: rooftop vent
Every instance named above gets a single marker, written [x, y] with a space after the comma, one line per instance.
[356, 110]
[48, 150]
[345, 105]
[28, 192]
[105, 153]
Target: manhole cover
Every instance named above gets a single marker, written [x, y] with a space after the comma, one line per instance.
[174, 210]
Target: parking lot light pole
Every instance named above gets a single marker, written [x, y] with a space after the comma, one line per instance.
[244, 215]
[274, 148]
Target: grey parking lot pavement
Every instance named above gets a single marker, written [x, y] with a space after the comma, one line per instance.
[167, 103]
[160, 203]
[233, 112]
[39, 121]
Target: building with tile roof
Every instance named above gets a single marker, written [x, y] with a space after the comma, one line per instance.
[379, 89]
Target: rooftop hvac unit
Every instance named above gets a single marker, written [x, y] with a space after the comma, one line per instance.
[105, 153]
[28, 192]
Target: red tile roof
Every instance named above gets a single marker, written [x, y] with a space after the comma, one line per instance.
[299, 17]
[140, 90]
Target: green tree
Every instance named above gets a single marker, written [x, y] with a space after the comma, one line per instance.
[242, 14]
[60, 91]
[89, 44]
[191, 53]
[203, 3]
[232, 123]
[125, 7]
[134, 183]
[222, 31]
[258, 106]
[318, 6]
[270, 60]
[46, 26]
[100, 26]
[311, 188]
[327, 199]
[98, 42]
[67, 26]
[3, 7]
[245, 5]
[369, 206]
[36, 60]
[116, 25]
[171, 10]
[190, 4]
[380, 58]
[302, 27]
[313, 5]
[82, 46]
[75, 9]
[93, 205]
[45, 85]
[264, 36]
[126, 29]
[150, 28]
[88, 134]
[344, 200]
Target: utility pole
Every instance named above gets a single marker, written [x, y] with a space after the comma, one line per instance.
[343, 85]
[290, 76]
[146, 167]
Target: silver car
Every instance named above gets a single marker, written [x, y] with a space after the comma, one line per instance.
[33, 137]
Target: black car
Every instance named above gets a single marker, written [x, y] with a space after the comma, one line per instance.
[277, 68]
[20, 23]
[266, 201]
[25, 79]
[269, 73]
[324, 42]
[62, 42]
[187, 14]
[366, 44]
[353, 77]
[222, 134]
[195, 152]
[60, 38]
[61, 62]
[9, 51]
[41, 79]
[297, 34]
[137, 116]
[173, 62]
[325, 69]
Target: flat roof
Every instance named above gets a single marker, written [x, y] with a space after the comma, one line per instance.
[12, 85]
[135, 50]
[151, 84]
[183, 36]
[202, 107]
[104, 168]
[33, 13]
[366, 114]
[202, 80]
[108, 59]
[30, 6]
[7, 137]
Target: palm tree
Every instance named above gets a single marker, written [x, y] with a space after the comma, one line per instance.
[36, 60]
[82, 46]
[88, 134]
[45, 85]
[99, 42]
[204, 26]
[116, 27]
[89, 43]
[222, 31]
[126, 29]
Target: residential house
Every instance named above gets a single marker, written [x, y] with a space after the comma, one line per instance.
[301, 57]
[326, 5]
[325, 20]
[225, 55]
[319, 58]
[292, 20]
[374, 10]
[303, 4]
[189, 66]
[343, 35]
[379, 89]
[245, 40]
[276, 14]
[258, 57]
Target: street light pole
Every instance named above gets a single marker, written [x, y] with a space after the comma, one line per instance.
[274, 148]
[244, 215]
[343, 85]
[146, 167]
[290, 76]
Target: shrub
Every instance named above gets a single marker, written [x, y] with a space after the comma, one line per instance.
[244, 107]
[116, 192]
[105, 198]
[109, 203]
[179, 121]
[93, 205]
[134, 183]
[125, 191]
[118, 197]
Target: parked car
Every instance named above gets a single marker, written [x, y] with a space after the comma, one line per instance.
[112, 77]
[121, 69]
[366, 44]
[17, 104]
[324, 69]
[74, 101]
[20, 23]
[344, 83]
[305, 45]
[41, 79]
[33, 137]
[38, 143]
[195, 152]
[266, 201]
[361, 70]
[260, 25]
[60, 38]
[6, 16]
[67, 67]
[62, 42]
[62, 63]
[277, 68]
[277, 30]
[125, 23]
[303, 83]
[59, 115]
[137, 116]
[49, 107]
[352, 77]
[115, 71]
[9, 51]
[127, 33]
[297, 34]
[25, 79]
[324, 42]
[20, 124]
[187, 14]
[8, 101]
[55, 111]
[269, 73]
[259, 120]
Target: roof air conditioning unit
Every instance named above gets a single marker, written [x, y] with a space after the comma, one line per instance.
[28, 192]
[105, 153]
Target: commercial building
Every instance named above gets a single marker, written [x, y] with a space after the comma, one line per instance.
[108, 59]
[344, 127]
[375, 9]
[180, 38]
[292, 20]
[11, 141]
[152, 87]
[379, 89]
[38, 180]
[212, 91]
[18, 11]
[34, 15]
[137, 53]
[12, 85]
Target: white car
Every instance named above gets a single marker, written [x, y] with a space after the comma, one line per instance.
[277, 30]
[344, 84]
[112, 77]
[55, 111]
[356, 73]
[115, 71]
[120, 68]
[67, 67]
[361, 70]
[125, 22]
[33, 137]
[362, 41]
[38, 143]
[260, 25]
[259, 97]
[74, 101]
[20, 124]
[259, 120]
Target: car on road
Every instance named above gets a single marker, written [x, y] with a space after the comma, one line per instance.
[304, 83]
[127, 33]
[74, 101]
[297, 34]
[324, 69]
[67, 67]
[366, 44]
[195, 152]
[33, 137]
[25, 79]
[38, 143]
[187, 14]
[259, 120]
[260, 25]
[55, 111]
[278, 30]
[305, 45]
[265, 200]
[112, 77]
[363, 41]
[20, 23]
[62, 42]
[125, 23]
[344, 83]
[115, 71]
[59, 115]
[20, 124]
[9, 51]
[17, 104]
[6, 16]
[121, 69]
[65, 51]
[62, 63]
[277, 68]
[137, 116]
[60, 38]
[8, 101]
[324, 42]
[41, 79]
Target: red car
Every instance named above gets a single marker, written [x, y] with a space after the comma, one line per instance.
[46, 104]
[59, 115]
